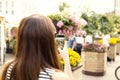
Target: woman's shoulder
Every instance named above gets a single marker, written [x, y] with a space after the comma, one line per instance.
[4, 69]
[6, 65]
[59, 75]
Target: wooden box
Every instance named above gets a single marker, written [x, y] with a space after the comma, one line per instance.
[111, 53]
[94, 63]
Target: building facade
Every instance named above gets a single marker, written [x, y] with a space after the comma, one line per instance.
[117, 7]
[16, 9]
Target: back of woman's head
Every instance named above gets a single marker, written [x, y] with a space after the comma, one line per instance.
[36, 47]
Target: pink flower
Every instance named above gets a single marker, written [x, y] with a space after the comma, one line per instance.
[64, 30]
[60, 24]
[67, 33]
[74, 19]
[77, 22]
[70, 28]
[83, 22]
[60, 32]
[80, 32]
[70, 33]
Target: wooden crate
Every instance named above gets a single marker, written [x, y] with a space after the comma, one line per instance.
[111, 53]
[94, 63]
[118, 48]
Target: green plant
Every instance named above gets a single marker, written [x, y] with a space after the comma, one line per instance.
[63, 6]
[97, 24]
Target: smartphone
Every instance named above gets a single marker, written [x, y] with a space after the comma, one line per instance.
[60, 39]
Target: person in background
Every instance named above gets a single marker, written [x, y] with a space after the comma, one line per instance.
[71, 41]
[79, 42]
[36, 56]
[13, 32]
[12, 42]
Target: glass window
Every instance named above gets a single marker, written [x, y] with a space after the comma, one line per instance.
[0, 6]
[6, 4]
[12, 12]
[12, 3]
[6, 12]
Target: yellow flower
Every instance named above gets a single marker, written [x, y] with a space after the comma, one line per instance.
[118, 39]
[100, 41]
[113, 41]
[74, 58]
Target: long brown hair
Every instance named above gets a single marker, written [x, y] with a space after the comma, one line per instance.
[36, 48]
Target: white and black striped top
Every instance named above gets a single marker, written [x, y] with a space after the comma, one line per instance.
[47, 74]
[44, 75]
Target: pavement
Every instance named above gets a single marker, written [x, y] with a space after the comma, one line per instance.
[78, 75]
[109, 75]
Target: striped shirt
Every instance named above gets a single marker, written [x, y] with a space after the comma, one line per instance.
[47, 74]
[44, 75]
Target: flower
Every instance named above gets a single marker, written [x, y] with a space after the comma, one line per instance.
[70, 28]
[113, 41]
[60, 24]
[74, 19]
[60, 32]
[67, 24]
[74, 58]
[80, 32]
[118, 40]
[83, 22]
[94, 47]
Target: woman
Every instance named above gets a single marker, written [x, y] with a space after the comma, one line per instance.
[36, 55]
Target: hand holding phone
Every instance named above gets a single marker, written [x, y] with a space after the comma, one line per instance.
[60, 41]
[64, 52]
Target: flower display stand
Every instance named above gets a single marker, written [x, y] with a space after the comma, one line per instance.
[118, 48]
[111, 53]
[94, 63]
[76, 67]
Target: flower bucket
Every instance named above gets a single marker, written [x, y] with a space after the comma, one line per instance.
[111, 53]
[94, 63]
[118, 48]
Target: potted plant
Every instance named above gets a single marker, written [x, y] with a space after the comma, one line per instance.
[118, 46]
[94, 54]
[94, 59]
[111, 53]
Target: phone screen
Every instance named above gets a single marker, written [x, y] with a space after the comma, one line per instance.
[60, 41]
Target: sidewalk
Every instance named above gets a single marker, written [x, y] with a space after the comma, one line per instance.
[108, 76]
[7, 58]
[78, 73]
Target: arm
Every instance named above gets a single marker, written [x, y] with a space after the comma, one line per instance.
[74, 43]
[65, 56]
[60, 76]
